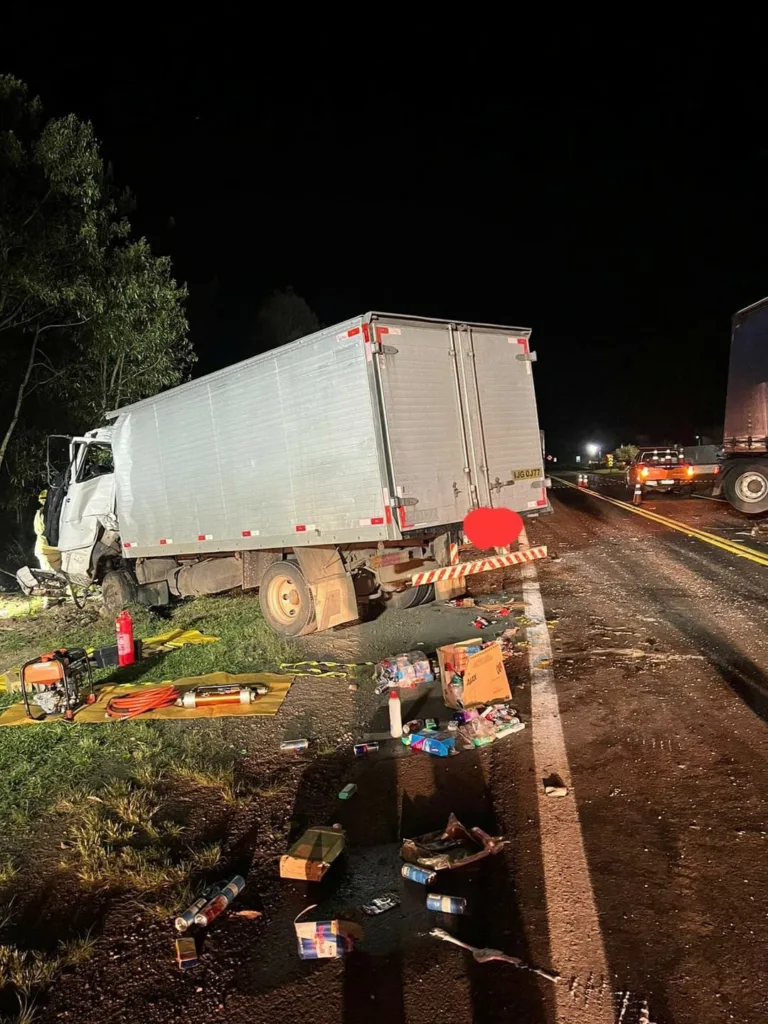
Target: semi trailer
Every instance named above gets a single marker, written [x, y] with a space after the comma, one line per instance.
[744, 461]
[334, 470]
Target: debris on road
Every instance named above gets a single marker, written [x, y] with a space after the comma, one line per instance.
[482, 956]
[381, 904]
[323, 940]
[312, 854]
[404, 671]
[472, 673]
[395, 715]
[187, 917]
[247, 915]
[219, 903]
[349, 790]
[430, 743]
[186, 954]
[301, 744]
[369, 747]
[417, 874]
[446, 904]
[480, 622]
[454, 847]
[554, 786]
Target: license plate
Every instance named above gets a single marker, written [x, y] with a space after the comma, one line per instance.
[666, 481]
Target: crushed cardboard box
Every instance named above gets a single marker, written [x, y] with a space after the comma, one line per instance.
[311, 855]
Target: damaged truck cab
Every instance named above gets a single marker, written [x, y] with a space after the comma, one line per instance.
[335, 470]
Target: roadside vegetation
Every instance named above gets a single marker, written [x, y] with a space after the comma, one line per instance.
[113, 806]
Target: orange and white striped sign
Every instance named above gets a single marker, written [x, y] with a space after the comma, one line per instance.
[453, 572]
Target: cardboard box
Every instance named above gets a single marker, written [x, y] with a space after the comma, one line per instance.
[485, 679]
[310, 856]
[324, 940]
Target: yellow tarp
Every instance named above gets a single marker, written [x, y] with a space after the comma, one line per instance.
[176, 638]
[267, 705]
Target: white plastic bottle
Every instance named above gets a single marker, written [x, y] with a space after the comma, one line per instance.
[395, 715]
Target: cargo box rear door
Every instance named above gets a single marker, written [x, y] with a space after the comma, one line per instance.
[502, 420]
[416, 368]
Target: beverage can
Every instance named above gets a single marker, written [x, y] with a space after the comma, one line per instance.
[417, 874]
[366, 748]
[294, 745]
[446, 904]
[349, 790]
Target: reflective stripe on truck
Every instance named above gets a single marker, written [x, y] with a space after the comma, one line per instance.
[481, 565]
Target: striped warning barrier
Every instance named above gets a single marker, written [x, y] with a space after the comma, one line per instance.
[453, 572]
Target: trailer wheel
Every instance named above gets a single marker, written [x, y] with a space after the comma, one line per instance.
[746, 487]
[399, 600]
[118, 590]
[286, 600]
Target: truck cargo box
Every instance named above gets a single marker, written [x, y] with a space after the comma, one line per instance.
[373, 429]
[746, 408]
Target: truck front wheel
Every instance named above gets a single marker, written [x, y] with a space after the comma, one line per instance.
[118, 590]
[746, 487]
[286, 600]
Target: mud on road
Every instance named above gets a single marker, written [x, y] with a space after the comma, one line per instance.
[659, 663]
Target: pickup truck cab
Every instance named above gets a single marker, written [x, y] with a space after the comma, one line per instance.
[660, 469]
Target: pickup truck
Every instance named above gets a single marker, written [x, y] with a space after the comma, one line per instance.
[660, 469]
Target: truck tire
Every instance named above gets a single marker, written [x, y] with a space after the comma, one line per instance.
[746, 487]
[399, 600]
[118, 590]
[286, 600]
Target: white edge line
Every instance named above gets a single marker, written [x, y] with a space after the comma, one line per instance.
[576, 943]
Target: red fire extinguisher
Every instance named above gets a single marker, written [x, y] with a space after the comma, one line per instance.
[124, 631]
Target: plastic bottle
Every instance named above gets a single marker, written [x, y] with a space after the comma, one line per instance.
[124, 631]
[415, 725]
[395, 715]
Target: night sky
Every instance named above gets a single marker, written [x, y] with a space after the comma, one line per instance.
[605, 187]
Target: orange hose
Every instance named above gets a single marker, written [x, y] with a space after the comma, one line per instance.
[134, 704]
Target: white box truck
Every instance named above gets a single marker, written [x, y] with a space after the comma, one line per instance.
[335, 469]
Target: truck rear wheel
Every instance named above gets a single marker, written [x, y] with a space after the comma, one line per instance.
[286, 600]
[746, 487]
[411, 597]
[118, 590]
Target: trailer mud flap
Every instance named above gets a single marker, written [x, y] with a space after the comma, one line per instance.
[333, 590]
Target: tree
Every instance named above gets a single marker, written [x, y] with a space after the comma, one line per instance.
[625, 453]
[284, 317]
[82, 307]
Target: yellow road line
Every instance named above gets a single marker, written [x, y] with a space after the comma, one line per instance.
[690, 531]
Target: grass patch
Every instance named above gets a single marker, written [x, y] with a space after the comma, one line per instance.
[8, 871]
[40, 765]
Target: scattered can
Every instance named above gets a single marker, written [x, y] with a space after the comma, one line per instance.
[371, 747]
[186, 953]
[431, 724]
[446, 904]
[187, 917]
[417, 874]
[294, 745]
[220, 901]
[349, 790]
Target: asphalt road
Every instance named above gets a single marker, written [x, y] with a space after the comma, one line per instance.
[659, 875]
[643, 686]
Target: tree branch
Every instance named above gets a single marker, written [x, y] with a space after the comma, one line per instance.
[20, 394]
